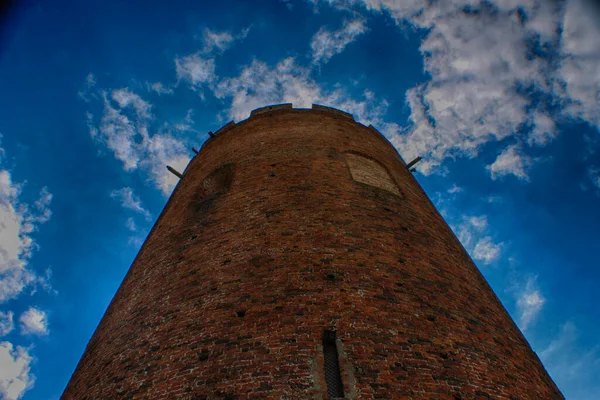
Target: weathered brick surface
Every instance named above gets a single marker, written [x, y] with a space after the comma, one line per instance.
[266, 242]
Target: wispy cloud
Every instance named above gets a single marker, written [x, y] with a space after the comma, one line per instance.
[594, 177]
[473, 233]
[510, 162]
[573, 365]
[219, 41]
[127, 99]
[130, 200]
[198, 71]
[325, 44]
[15, 371]
[455, 189]
[6, 323]
[159, 88]
[130, 224]
[529, 303]
[34, 322]
[87, 91]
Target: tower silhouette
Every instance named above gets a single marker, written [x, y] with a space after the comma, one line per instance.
[298, 258]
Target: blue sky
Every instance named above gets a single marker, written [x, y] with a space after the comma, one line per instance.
[501, 99]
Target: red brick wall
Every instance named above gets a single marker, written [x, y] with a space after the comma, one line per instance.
[266, 242]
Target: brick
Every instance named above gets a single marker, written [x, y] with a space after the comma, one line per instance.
[269, 239]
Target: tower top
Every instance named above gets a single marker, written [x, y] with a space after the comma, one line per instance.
[277, 109]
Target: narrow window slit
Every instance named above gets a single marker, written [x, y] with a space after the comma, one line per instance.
[333, 377]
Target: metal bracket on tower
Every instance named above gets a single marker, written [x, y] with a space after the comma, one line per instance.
[194, 150]
[413, 162]
[211, 134]
[174, 172]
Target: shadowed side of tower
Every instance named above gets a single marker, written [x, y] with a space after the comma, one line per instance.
[298, 258]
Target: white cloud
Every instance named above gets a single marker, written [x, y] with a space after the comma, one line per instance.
[130, 200]
[473, 234]
[18, 221]
[163, 150]
[90, 80]
[259, 85]
[15, 367]
[220, 41]
[86, 93]
[124, 129]
[135, 241]
[494, 199]
[594, 176]
[455, 189]
[120, 134]
[288, 4]
[479, 91]
[6, 323]
[472, 97]
[34, 321]
[126, 98]
[325, 44]
[196, 70]
[187, 125]
[480, 223]
[159, 88]
[42, 206]
[544, 129]
[580, 64]
[130, 224]
[13, 281]
[530, 303]
[485, 80]
[510, 162]
[574, 367]
[567, 335]
[486, 250]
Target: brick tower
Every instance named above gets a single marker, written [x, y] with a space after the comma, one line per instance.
[298, 258]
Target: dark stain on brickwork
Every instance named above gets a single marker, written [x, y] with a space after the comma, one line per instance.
[230, 294]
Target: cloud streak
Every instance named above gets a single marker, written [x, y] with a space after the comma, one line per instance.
[529, 304]
[130, 201]
[218, 42]
[577, 367]
[473, 234]
[196, 70]
[325, 44]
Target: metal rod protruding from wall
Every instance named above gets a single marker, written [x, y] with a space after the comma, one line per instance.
[413, 162]
[174, 172]
[194, 150]
[211, 134]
